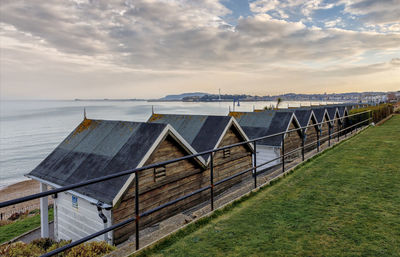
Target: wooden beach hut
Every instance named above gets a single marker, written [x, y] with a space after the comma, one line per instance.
[322, 116]
[334, 118]
[100, 147]
[206, 132]
[269, 122]
[343, 113]
[306, 117]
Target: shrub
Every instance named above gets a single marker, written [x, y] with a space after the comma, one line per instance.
[20, 249]
[58, 245]
[92, 249]
[44, 245]
[377, 114]
[14, 216]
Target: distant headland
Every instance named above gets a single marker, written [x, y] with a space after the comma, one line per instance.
[365, 97]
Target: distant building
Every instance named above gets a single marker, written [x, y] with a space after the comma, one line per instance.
[393, 97]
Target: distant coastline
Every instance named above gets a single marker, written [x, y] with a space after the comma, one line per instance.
[354, 97]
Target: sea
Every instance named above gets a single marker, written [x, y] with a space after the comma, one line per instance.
[30, 130]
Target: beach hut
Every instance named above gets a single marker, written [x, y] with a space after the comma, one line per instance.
[322, 116]
[334, 118]
[206, 132]
[100, 147]
[269, 122]
[343, 113]
[306, 117]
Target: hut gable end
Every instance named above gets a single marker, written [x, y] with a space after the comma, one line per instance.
[158, 186]
[292, 139]
[232, 136]
[230, 161]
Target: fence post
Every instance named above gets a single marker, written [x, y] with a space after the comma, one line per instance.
[137, 209]
[338, 132]
[329, 137]
[302, 144]
[255, 164]
[318, 132]
[283, 152]
[212, 180]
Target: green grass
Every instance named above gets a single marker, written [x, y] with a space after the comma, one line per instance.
[345, 202]
[10, 231]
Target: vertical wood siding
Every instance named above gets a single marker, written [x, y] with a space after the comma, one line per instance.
[292, 141]
[181, 178]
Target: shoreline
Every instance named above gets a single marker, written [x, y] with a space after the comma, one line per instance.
[13, 182]
[20, 189]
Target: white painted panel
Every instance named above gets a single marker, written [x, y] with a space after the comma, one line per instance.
[75, 223]
[267, 153]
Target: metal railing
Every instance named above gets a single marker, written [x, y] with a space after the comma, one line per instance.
[210, 187]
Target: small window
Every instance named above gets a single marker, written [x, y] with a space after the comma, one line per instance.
[227, 153]
[159, 173]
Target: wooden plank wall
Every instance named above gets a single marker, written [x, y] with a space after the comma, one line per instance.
[336, 124]
[311, 136]
[181, 179]
[240, 159]
[325, 130]
[292, 141]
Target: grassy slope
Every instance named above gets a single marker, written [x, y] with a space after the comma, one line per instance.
[345, 202]
[19, 227]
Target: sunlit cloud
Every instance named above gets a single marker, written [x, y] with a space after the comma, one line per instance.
[130, 48]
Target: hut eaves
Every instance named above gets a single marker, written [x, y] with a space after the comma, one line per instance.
[99, 148]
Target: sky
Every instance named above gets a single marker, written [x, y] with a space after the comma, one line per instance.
[150, 48]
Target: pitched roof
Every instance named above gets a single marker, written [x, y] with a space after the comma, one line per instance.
[255, 124]
[319, 113]
[98, 148]
[342, 110]
[202, 132]
[303, 114]
[332, 112]
[259, 124]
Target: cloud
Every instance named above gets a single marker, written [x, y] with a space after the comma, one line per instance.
[375, 12]
[178, 34]
[395, 62]
[263, 6]
[166, 39]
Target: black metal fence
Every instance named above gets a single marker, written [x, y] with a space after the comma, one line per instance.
[253, 170]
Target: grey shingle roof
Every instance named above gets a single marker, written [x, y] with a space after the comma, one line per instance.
[319, 113]
[264, 123]
[202, 132]
[331, 112]
[97, 148]
[341, 109]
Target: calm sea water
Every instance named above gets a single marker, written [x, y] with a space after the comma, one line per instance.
[30, 130]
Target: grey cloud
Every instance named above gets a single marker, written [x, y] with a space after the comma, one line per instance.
[169, 35]
[395, 62]
[375, 12]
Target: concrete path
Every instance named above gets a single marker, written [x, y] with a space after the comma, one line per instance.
[35, 234]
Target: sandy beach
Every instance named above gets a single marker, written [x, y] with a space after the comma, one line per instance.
[17, 190]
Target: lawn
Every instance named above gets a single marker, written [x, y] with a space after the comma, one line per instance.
[345, 202]
[10, 231]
